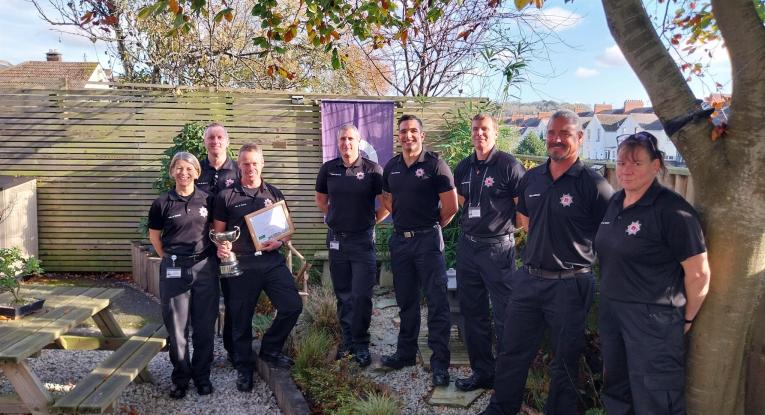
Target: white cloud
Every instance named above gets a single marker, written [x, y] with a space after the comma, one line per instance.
[556, 19]
[611, 57]
[582, 72]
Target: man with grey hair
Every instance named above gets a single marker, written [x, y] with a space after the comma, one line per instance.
[564, 201]
[346, 191]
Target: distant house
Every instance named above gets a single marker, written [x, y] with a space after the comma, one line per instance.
[54, 73]
[602, 130]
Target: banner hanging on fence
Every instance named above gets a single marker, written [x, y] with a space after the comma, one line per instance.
[374, 119]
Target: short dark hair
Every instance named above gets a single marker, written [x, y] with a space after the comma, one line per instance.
[409, 117]
[486, 116]
[645, 140]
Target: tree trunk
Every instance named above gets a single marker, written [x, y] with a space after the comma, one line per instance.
[729, 178]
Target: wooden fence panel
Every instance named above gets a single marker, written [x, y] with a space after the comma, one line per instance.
[95, 154]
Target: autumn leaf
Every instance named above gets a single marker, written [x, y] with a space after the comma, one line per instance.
[229, 16]
[519, 4]
[173, 6]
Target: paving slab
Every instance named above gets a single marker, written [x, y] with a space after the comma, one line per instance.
[451, 396]
[385, 303]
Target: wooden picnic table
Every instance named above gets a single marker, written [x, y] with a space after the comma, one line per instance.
[66, 308]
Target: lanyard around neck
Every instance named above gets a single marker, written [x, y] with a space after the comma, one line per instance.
[470, 183]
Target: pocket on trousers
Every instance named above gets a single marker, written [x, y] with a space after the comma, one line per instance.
[660, 320]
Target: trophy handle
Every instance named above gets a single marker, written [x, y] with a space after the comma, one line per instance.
[211, 235]
[238, 232]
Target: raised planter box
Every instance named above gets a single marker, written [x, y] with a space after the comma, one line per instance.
[145, 264]
[17, 311]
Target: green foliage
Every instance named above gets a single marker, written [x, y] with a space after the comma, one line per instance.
[320, 312]
[261, 323]
[311, 351]
[13, 265]
[338, 388]
[376, 404]
[190, 139]
[532, 145]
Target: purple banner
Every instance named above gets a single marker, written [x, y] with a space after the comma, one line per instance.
[374, 119]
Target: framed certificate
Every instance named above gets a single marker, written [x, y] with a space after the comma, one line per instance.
[269, 224]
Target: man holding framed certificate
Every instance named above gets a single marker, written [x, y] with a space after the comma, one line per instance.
[264, 267]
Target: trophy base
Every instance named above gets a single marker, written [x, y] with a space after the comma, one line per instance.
[230, 270]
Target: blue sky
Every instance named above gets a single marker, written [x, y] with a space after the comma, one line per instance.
[588, 68]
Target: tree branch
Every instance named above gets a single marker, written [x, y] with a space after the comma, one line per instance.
[670, 95]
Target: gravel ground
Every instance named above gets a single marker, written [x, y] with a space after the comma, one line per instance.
[60, 370]
[411, 384]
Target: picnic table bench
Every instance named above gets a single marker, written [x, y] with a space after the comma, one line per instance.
[65, 308]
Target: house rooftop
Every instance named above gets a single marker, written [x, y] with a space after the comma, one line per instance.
[48, 74]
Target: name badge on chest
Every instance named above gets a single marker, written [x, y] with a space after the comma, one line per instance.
[474, 212]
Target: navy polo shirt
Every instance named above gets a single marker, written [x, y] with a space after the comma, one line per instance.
[490, 185]
[234, 203]
[213, 181]
[563, 215]
[352, 191]
[183, 220]
[641, 248]
[415, 189]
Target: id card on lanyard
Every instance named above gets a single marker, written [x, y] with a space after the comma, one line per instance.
[173, 271]
[474, 212]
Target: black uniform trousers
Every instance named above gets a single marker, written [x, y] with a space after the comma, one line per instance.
[225, 291]
[353, 267]
[269, 273]
[484, 271]
[418, 265]
[190, 301]
[643, 358]
[537, 303]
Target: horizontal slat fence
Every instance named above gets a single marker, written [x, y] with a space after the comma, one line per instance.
[95, 154]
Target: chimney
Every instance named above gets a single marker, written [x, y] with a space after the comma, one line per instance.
[632, 104]
[580, 108]
[53, 56]
[601, 108]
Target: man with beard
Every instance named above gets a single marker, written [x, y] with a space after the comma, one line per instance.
[565, 202]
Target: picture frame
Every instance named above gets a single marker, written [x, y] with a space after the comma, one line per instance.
[273, 222]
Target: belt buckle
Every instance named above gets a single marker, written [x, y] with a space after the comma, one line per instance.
[408, 234]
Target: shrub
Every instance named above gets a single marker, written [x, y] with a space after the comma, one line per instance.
[532, 145]
[376, 404]
[312, 351]
[190, 139]
[320, 313]
[13, 265]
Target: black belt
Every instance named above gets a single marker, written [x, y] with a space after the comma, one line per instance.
[367, 232]
[188, 258]
[412, 232]
[556, 275]
[489, 239]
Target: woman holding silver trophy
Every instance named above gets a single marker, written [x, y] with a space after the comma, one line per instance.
[179, 222]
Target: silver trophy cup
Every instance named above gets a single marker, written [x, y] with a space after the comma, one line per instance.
[229, 266]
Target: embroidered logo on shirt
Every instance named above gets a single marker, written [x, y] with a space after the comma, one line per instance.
[203, 212]
[268, 202]
[229, 182]
[174, 216]
[566, 200]
[489, 182]
[360, 175]
[535, 195]
[419, 172]
[633, 228]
